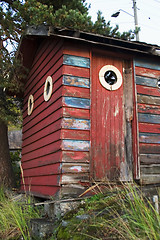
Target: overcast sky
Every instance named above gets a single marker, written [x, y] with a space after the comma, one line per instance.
[148, 16]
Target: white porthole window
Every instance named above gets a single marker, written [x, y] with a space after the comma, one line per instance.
[30, 104]
[48, 88]
[110, 77]
[158, 83]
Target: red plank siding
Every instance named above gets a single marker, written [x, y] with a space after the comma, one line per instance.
[76, 113]
[148, 117]
[45, 160]
[149, 128]
[48, 180]
[71, 70]
[146, 72]
[148, 90]
[38, 153]
[41, 191]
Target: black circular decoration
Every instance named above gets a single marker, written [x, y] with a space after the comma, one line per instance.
[110, 77]
[158, 83]
[48, 88]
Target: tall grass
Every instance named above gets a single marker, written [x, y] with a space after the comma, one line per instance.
[14, 217]
[120, 213]
[138, 218]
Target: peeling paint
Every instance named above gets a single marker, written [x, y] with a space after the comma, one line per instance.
[116, 110]
[76, 81]
[75, 145]
[73, 123]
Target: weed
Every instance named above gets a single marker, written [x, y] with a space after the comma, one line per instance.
[119, 213]
[14, 217]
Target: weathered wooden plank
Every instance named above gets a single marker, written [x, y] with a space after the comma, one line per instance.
[145, 148]
[76, 102]
[148, 127]
[147, 63]
[76, 81]
[150, 169]
[127, 166]
[72, 190]
[146, 72]
[72, 123]
[75, 134]
[148, 90]
[75, 167]
[148, 118]
[148, 159]
[76, 71]
[74, 178]
[75, 145]
[43, 170]
[70, 156]
[144, 108]
[76, 61]
[76, 113]
[49, 180]
[75, 92]
[72, 48]
[148, 99]
[150, 178]
[149, 138]
[45, 160]
[150, 82]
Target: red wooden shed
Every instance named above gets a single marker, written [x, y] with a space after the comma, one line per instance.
[91, 111]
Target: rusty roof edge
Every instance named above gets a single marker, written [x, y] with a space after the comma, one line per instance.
[94, 39]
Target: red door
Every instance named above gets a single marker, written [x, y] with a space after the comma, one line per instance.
[108, 127]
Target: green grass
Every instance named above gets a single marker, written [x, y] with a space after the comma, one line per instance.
[14, 217]
[120, 213]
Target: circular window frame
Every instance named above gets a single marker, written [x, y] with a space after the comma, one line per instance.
[30, 104]
[47, 93]
[103, 82]
[158, 83]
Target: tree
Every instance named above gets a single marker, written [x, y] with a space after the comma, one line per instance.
[15, 16]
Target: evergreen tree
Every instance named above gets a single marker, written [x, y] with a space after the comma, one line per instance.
[15, 16]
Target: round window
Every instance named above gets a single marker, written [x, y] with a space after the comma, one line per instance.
[30, 104]
[110, 77]
[48, 88]
[158, 83]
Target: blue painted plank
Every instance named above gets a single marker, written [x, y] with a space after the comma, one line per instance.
[76, 61]
[75, 145]
[76, 102]
[150, 82]
[147, 64]
[149, 138]
[76, 81]
[148, 118]
[75, 123]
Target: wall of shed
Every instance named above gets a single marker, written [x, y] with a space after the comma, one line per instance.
[41, 149]
[76, 119]
[148, 108]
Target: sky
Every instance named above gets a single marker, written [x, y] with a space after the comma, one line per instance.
[148, 12]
